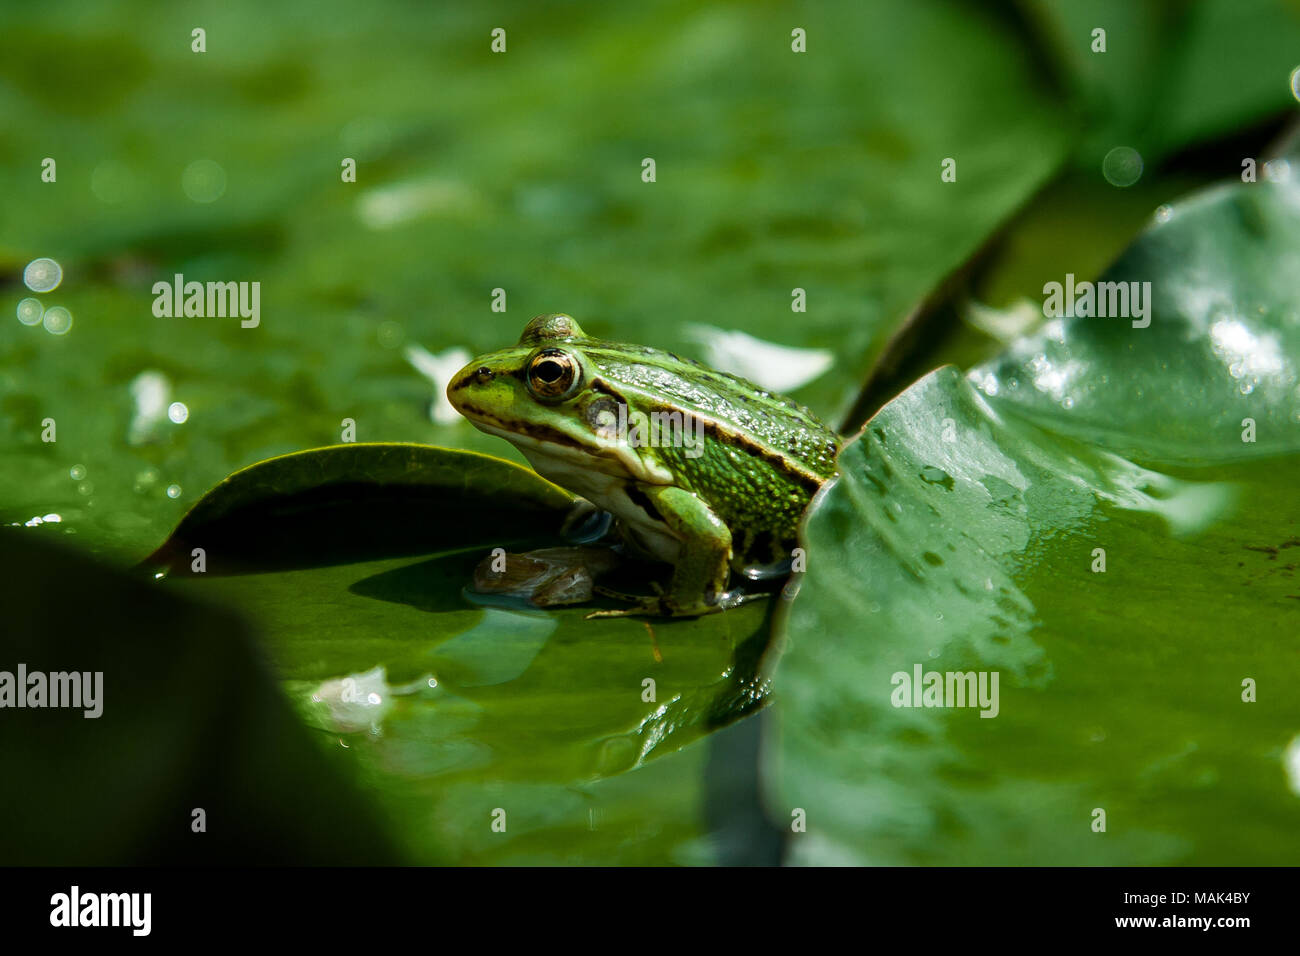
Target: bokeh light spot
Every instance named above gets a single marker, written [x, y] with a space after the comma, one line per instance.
[57, 321]
[30, 311]
[42, 275]
[204, 181]
[1122, 166]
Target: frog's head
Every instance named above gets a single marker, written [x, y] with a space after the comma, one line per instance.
[539, 395]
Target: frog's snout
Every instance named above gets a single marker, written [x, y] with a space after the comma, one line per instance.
[467, 390]
[475, 373]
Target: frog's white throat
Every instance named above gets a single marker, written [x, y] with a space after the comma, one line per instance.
[588, 473]
[576, 468]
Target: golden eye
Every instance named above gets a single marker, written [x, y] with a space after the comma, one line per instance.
[552, 374]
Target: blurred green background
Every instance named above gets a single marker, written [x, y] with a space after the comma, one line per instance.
[521, 170]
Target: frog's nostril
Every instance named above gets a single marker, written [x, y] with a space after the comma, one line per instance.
[467, 378]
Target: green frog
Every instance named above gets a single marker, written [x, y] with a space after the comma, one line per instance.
[705, 471]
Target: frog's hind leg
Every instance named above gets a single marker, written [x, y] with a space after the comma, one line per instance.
[703, 565]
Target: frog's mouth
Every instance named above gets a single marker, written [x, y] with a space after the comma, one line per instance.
[536, 440]
[520, 431]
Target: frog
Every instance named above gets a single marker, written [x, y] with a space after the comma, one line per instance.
[719, 488]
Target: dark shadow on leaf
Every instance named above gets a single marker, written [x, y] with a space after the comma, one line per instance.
[435, 585]
[345, 504]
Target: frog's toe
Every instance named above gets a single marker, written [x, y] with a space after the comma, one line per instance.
[695, 610]
[735, 598]
[664, 604]
[649, 607]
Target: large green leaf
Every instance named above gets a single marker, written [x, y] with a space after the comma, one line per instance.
[1159, 84]
[966, 532]
[355, 560]
[347, 502]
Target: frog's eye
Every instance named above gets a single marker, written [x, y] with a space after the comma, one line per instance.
[552, 375]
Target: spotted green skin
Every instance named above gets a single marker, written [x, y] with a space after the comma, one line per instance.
[729, 502]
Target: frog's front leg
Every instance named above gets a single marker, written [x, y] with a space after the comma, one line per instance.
[702, 569]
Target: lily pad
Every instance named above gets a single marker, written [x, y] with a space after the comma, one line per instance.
[352, 502]
[355, 562]
[1092, 518]
[1152, 87]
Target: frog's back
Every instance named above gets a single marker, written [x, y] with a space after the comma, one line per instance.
[762, 456]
